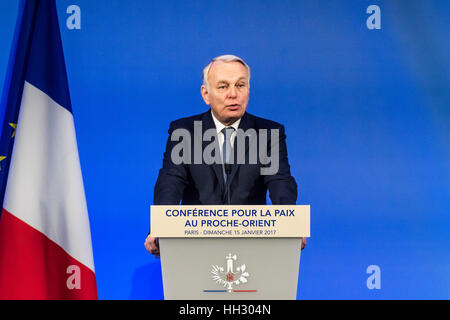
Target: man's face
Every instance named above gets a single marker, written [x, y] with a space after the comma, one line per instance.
[228, 92]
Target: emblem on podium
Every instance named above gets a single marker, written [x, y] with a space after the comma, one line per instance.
[228, 276]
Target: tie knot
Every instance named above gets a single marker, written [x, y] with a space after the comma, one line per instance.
[227, 131]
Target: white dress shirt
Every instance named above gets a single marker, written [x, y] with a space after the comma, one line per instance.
[220, 135]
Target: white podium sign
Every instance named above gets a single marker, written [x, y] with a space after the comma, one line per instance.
[230, 252]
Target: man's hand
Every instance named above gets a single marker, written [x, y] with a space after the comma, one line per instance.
[152, 245]
[303, 243]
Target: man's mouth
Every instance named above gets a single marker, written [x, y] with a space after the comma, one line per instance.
[233, 106]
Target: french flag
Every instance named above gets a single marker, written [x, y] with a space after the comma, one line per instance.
[45, 240]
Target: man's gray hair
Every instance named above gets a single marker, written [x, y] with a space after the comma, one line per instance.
[224, 58]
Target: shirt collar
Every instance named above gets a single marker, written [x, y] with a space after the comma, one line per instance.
[220, 125]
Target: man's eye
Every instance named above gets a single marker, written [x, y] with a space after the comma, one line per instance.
[221, 87]
[241, 85]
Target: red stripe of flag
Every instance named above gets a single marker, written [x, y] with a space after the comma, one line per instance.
[28, 259]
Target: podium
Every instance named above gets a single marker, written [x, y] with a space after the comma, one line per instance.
[230, 252]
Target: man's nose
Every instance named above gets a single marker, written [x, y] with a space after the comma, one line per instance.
[232, 93]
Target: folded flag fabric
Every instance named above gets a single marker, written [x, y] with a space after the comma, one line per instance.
[45, 240]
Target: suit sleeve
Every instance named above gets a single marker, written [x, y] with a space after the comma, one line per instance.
[282, 186]
[172, 178]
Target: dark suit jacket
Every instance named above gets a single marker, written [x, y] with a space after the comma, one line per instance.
[202, 184]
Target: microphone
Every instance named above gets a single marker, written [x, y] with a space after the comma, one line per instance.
[228, 172]
[228, 168]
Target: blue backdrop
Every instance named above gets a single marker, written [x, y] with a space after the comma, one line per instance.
[367, 115]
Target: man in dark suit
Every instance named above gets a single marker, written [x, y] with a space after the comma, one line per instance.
[231, 173]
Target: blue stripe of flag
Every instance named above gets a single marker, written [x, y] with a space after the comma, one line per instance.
[46, 66]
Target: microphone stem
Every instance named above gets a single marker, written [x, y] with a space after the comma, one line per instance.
[228, 172]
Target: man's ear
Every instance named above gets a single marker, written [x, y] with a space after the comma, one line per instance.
[204, 92]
